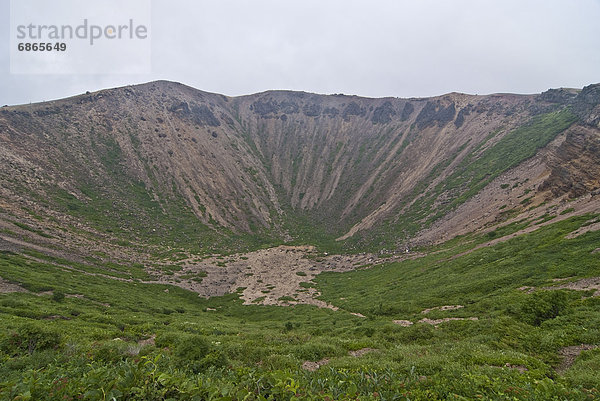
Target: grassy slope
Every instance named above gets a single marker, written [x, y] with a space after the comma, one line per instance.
[90, 349]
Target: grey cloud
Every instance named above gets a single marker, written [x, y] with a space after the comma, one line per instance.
[371, 48]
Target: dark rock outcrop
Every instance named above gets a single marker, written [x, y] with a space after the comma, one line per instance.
[407, 111]
[263, 108]
[331, 112]
[435, 113]
[383, 114]
[460, 118]
[353, 109]
[561, 96]
[203, 116]
[587, 105]
[311, 110]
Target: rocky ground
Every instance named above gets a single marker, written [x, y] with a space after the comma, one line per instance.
[274, 276]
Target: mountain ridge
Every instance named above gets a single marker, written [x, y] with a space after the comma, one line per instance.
[278, 166]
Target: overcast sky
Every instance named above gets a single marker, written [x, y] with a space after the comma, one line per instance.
[366, 47]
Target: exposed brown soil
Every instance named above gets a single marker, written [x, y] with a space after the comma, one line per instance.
[586, 284]
[268, 276]
[312, 366]
[357, 314]
[61, 244]
[570, 354]
[361, 352]
[332, 155]
[584, 205]
[435, 322]
[8, 246]
[592, 226]
[6, 287]
[148, 341]
[223, 158]
[56, 317]
[519, 368]
[442, 308]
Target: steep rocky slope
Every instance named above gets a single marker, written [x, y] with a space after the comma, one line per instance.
[162, 166]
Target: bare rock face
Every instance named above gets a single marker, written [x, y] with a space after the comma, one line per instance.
[383, 114]
[353, 109]
[560, 96]
[587, 105]
[407, 111]
[462, 114]
[435, 113]
[575, 165]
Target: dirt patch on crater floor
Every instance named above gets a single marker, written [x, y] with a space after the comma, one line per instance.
[268, 276]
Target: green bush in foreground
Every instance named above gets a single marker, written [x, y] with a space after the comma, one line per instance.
[543, 305]
[29, 338]
[193, 352]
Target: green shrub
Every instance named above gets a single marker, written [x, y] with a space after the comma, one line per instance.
[58, 296]
[415, 334]
[30, 338]
[110, 351]
[316, 351]
[166, 340]
[195, 353]
[191, 348]
[543, 305]
[280, 362]
[384, 309]
[215, 358]
[367, 331]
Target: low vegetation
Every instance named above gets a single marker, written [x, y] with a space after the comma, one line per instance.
[77, 336]
[108, 197]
